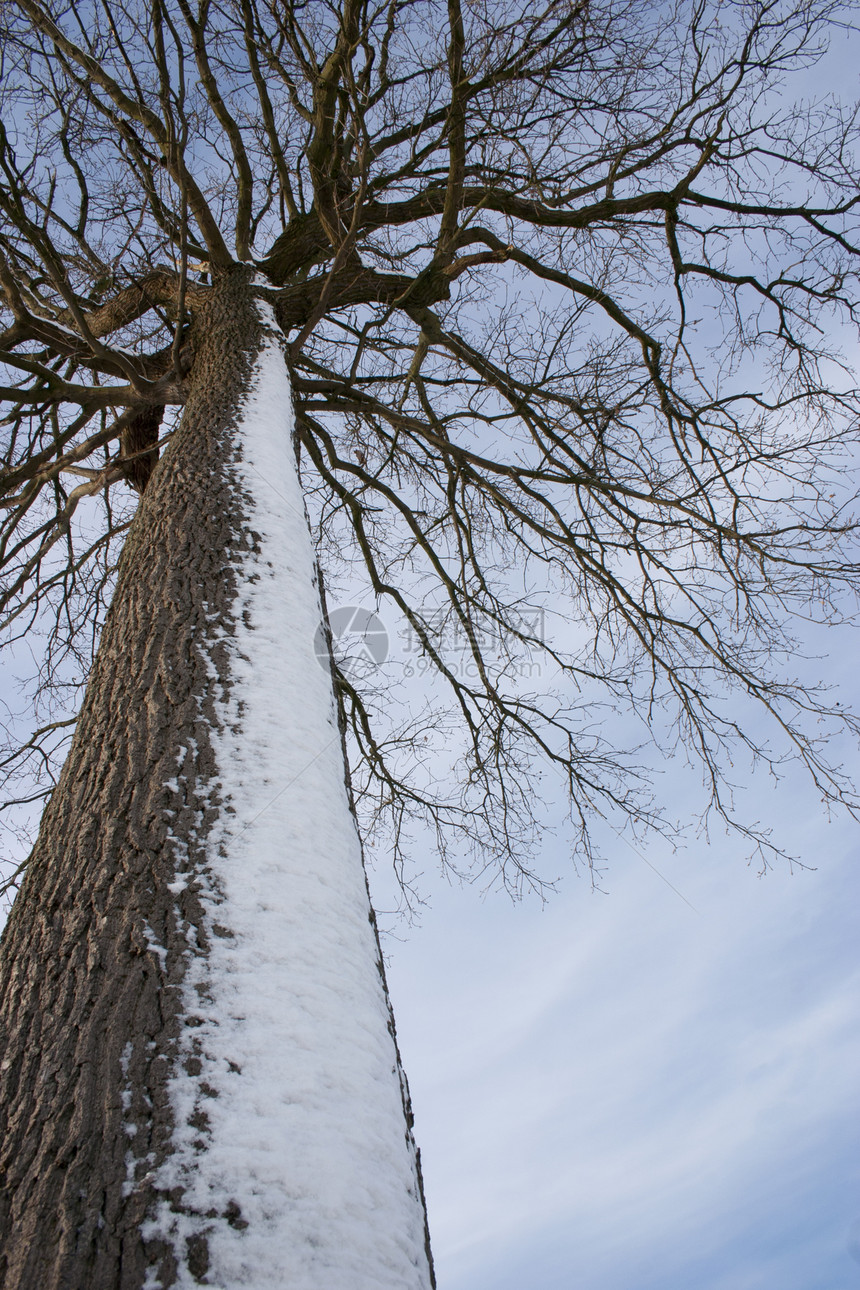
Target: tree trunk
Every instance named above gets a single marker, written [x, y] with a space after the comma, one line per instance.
[199, 1079]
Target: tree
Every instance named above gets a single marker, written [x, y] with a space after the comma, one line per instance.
[556, 291]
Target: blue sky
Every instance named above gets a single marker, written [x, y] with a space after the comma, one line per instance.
[619, 1093]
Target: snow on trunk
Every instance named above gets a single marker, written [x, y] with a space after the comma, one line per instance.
[292, 1151]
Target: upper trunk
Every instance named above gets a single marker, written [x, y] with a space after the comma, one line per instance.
[200, 1083]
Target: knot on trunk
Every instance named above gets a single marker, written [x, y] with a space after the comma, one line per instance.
[138, 443]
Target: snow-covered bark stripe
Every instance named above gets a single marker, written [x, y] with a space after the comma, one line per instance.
[291, 1151]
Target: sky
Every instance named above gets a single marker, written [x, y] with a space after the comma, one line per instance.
[623, 1092]
[616, 1091]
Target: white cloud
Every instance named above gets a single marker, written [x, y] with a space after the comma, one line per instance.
[616, 1089]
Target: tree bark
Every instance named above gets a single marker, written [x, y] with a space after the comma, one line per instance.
[139, 443]
[105, 942]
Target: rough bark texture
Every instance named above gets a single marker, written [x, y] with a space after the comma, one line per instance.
[88, 1019]
[139, 440]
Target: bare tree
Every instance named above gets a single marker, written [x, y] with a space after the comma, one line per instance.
[561, 292]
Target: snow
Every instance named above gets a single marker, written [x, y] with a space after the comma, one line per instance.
[298, 1146]
[152, 943]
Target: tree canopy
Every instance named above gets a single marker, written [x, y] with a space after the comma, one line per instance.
[567, 289]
